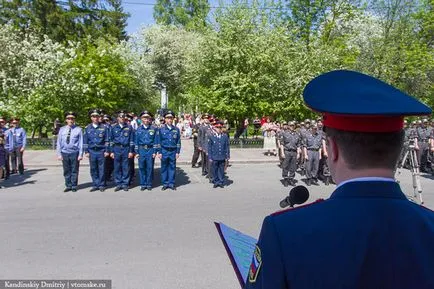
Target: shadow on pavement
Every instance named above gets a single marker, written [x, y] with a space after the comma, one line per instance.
[19, 180]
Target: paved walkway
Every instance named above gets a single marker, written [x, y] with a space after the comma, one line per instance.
[47, 158]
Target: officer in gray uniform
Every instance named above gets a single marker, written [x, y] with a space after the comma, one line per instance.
[312, 152]
[290, 140]
[423, 134]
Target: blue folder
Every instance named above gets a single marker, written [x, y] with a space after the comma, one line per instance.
[240, 249]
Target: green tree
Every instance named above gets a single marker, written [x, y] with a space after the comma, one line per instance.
[63, 21]
[191, 14]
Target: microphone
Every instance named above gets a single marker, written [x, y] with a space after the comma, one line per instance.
[298, 195]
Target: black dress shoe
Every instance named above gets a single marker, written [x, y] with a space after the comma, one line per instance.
[164, 188]
[215, 186]
[204, 174]
[74, 190]
[125, 189]
[102, 189]
[221, 186]
[308, 182]
[117, 189]
[286, 182]
[67, 190]
[94, 189]
[173, 188]
[142, 188]
[149, 188]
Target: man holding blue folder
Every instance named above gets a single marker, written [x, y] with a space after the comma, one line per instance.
[367, 234]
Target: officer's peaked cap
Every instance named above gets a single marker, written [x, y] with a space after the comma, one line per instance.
[70, 114]
[145, 113]
[353, 101]
[169, 113]
[94, 112]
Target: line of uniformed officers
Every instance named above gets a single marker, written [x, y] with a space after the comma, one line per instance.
[303, 146]
[213, 146]
[111, 149]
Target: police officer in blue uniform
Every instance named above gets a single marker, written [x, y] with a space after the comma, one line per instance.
[367, 234]
[170, 146]
[70, 150]
[96, 148]
[218, 154]
[17, 141]
[146, 148]
[121, 149]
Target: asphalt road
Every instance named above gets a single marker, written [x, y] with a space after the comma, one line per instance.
[158, 239]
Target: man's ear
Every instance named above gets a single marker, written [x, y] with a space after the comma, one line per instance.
[334, 151]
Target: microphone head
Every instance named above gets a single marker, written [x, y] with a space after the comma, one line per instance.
[298, 195]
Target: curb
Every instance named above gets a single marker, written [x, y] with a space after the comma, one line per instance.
[178, 164]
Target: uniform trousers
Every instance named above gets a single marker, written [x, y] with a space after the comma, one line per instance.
[121, 166]
[108, 168]
[146, 167]
[97, 168]
[204, 157]
[70, 169]
[289, 165]
[218, 168]
[422, 155]
[17, 158]
[195, 157]
[312, 164]
[168, 166]
[7, 164]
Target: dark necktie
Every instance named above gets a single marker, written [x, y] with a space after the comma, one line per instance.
[14, 137]
[68, 137]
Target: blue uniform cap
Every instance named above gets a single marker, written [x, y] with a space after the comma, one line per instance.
[354, 101]
[94, 112]
[169, 113]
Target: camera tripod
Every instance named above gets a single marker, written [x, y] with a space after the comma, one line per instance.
[414, 168]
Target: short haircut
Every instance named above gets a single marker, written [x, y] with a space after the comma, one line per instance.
[368, 150]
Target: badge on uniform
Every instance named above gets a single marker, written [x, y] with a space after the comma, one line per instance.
[151, 132]
[256, 265]
[100, 135]
[126, 134]
[175, 135]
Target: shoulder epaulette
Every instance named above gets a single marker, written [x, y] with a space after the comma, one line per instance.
[296, 208]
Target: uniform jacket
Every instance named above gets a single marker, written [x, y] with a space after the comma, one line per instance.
[96, 138]
[122, 136]
[290, 140]
[70, 140]
[313, 141]
[423, 133]
[147, 138]
[366, 235]
[16, 138]
[218, 147]
[170, 138]
[202, 140]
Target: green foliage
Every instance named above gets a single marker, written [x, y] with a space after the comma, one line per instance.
[191, 14]
[62, 21]
[252, 58]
